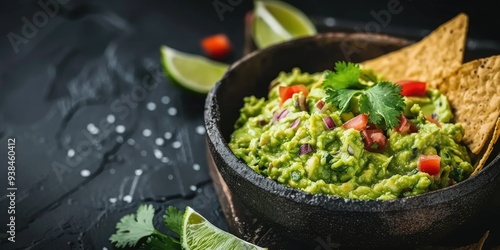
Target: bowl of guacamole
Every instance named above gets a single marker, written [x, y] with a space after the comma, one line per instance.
[310, 134]
[319, 145]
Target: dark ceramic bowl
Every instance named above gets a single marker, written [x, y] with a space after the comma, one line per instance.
[302, 216]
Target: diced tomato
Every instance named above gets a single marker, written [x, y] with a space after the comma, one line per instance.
[430, 164]
[412, 88]
[405, 126]
[320, 104]
[216, 46]
[430, 119]
[370, 126]
[359, 122]
[374, 139]
[287, 92]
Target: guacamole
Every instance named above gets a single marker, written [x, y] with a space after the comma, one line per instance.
[305, 142]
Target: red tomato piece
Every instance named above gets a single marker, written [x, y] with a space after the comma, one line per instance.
[287, 92]
[216, 46]
[374, 139]
[430, 164]
[412, 88]
[359, 122]
[405, 126]
[370, 126]
[320, 104]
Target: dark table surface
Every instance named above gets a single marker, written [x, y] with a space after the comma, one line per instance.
[100, 130]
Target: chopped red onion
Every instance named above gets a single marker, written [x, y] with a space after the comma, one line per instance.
[275, 116]
[305, 149]
[350, 150]
[434, 116]
[302, 103]
[283, 114]
[328, 121]
[295, 123]
[278, 115]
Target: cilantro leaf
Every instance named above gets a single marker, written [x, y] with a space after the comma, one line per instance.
[383, 103]
[160, 243]
[367, 75]
[173, 219]
[133, 227]
[346, 75]
[340, 98]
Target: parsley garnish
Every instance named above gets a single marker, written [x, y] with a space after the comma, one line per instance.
[134, 227]
[382, 102]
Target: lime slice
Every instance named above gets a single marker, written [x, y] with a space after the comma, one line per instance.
[198, 233]
[277, 21]
[193, 72]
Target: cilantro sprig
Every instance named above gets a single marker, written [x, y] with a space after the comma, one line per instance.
[137, 231]
[382, 102]
[134, 227]
[173, 219]
[346, 75]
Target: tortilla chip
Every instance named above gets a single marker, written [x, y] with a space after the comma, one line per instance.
[475, 246]
[486, 153]
[434, 57]
[473, 90]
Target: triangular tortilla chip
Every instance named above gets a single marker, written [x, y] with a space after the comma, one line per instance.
[486, 153]
[473, 90]
[434, 57]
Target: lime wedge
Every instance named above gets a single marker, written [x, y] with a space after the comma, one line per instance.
[277, 21]
[198, 233]
[193, 72]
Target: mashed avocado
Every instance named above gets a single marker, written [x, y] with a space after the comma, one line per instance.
[294, 142]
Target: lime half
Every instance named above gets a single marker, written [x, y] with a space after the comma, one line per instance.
[193, 72]
[198, 233]
[277, 21]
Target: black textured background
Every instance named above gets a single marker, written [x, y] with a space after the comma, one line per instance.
[93, 59]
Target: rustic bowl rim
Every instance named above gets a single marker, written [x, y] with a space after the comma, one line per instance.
[330, 202]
